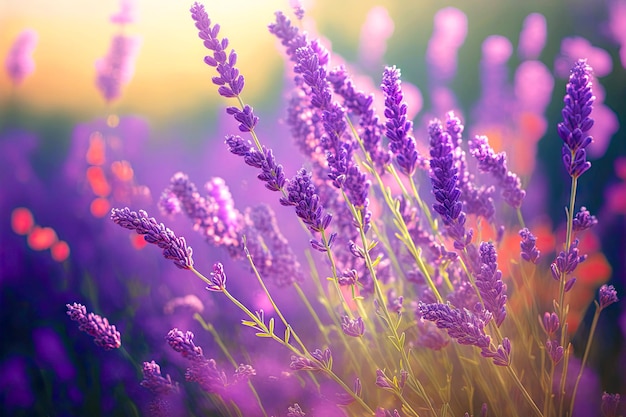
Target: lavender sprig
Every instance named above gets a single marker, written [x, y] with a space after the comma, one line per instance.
[576, 121]
[105, 334]
[495, 164]
[398, 128]
[301, 194]
[174, 248]
[444, 179]
[529, 253]
[489, 283]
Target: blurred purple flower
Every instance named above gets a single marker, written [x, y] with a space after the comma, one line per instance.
[533, 36]
[126, 14]
[105, 335]
[551, 323]
[610, 404]
[295, 411]
[116, 68]
[19, 62]
[155, 382]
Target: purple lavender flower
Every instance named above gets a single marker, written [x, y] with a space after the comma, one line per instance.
[566, 263]
[323, 360]
[431, 337]
[19, 62]
[360, 104]
[246, 118]
[288, 34]
[494, 164]
[243, 373]
[302, 195]
[551, 323]
[461, 324]
[271, 172]
[314, 75]
[444, 180]
[610, 404]
[183, 343]
[295, 411]
[155, 382]
[213, 216]
[576, 121]
[206, 374]
[352, 327]
[398, 128]
[105, 335]
[489, 283]
[502, 355]
[529, 253]
[218, 278]
[583, 220]
[230, 82]
[174, 248]
[283, 266]
[555, 351]
[608, 296]
[382, 381]
[476, 200]
[116, 69]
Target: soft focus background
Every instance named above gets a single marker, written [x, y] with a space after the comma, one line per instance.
[62, 248]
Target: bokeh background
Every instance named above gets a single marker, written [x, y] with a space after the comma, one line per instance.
[169, 118]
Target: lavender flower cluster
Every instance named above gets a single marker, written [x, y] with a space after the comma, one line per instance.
[429, 291]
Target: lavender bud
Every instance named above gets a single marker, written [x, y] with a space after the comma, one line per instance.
[218, 278]
[608, 296]
[352, 327]
[550, 323]
[583, 220]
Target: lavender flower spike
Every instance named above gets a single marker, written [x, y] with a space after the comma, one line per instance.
[576, 121]
[230, 82]
[495, 164]
[461, 324]
[398, 128]
[302, 195]
[489, 283]
[444, 179]
[529, 253]
[105, 335]
[174, 248]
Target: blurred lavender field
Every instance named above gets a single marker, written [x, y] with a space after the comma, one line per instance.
[501, 68]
